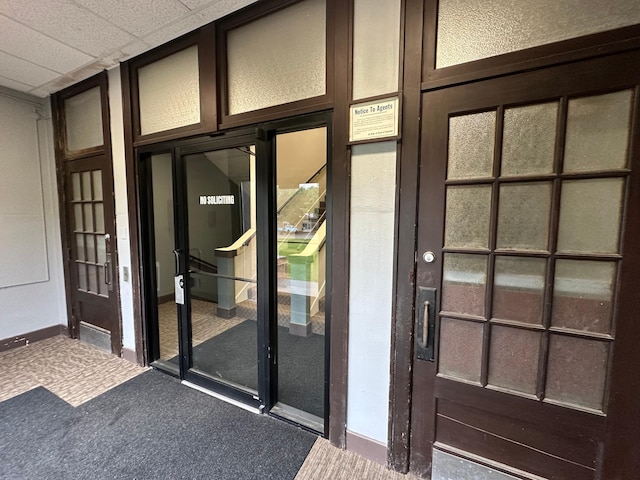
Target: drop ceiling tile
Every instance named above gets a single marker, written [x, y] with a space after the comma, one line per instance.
[21, 87]
[139, 17]
[21, 41]
[19, 70]
[40, 92]
[68, 23]
[221, 8]
[197, 4]
[175, 30]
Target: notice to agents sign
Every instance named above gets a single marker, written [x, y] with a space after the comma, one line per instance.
[373, 120]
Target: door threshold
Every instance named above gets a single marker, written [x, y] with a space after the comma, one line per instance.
[222, 397]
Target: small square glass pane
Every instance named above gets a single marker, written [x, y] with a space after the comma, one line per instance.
[598, 132]
[75, 182]
[577, 371]
[98, 209]
[529, 139]
[96, 175]
[102, 286]
[583, 295]
[93, 278]
[83, 120]
[471, 145]
[77, 217]
[468, 215]
[90, 248]
[590, 216]
[86, 186]
[513, 360]
[88, 217]
[460, 354]
[81, 255]
[523, 219]
[464, 284]
[101, 249]
[518, 289]
[82, 276]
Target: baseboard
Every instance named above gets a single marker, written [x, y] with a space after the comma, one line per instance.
[130, 355]
[367, 447]
[31, 337]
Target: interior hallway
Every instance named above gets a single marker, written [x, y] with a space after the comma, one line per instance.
[77, 373]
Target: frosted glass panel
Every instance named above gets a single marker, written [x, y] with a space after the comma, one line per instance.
[460, 353]
[513, 362]
[464, 284]
[471, 144]
[476, 29]
[467, 217]
[577, 371]
[529, 139]
[598, 132]
[278, 59]
[518, 289]
[523, 219]
[590, 215]
[170, 92]
[83, 120]
[583, 295]
[376, 47]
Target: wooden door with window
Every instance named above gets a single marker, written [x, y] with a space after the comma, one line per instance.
[526, 324]
[91, 235]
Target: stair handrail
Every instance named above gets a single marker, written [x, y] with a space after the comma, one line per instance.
[315, 244]
[242, 241]
[288, 200]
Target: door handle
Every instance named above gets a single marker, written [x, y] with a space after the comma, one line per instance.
[108, 279]
[425, 323]
[176, 254]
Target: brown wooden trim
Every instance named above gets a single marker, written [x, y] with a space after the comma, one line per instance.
[623, 424]
[342, 18]
[581, 48]
[309, 105]
[32, 337]
[128, 108]
[404, 263]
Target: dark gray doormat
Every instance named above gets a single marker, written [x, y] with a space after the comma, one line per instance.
[300, 364]
[150, 427]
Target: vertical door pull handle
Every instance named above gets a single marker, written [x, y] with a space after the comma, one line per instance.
[176, 254]
[107, 273]
[425, 323]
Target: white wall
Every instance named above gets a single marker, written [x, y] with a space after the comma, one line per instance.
[122, 213]
[373, 187]
[36, 299]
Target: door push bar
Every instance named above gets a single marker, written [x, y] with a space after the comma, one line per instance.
[425, 323]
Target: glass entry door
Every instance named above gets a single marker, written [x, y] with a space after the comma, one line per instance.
[235, 256]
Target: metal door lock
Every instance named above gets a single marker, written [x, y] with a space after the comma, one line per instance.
[429, 256]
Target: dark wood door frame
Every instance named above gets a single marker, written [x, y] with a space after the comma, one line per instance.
[64, 155]
[419, 74]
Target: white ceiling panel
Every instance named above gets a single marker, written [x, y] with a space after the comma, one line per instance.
[68, 23]
[139, 17]
[174, 30]
[221, 8]
[9, 83]
[19, 40]
[197, 4]
[24, 72]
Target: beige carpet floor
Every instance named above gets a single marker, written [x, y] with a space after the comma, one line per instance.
[77, 372]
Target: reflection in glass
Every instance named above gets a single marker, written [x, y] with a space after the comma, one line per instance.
[583, 295]
[471, 144]
[513, 362]
[464, 284]
[598, 132]
[577, 371]
[529, 139]
[590, 215]
[523, 216]
[460, 353]
[467, 216]
[162, 188]
[301, 259]
[222, 265]
[518, 289]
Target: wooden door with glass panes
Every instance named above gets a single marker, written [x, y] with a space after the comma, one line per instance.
[89, 203]
[526, 325]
